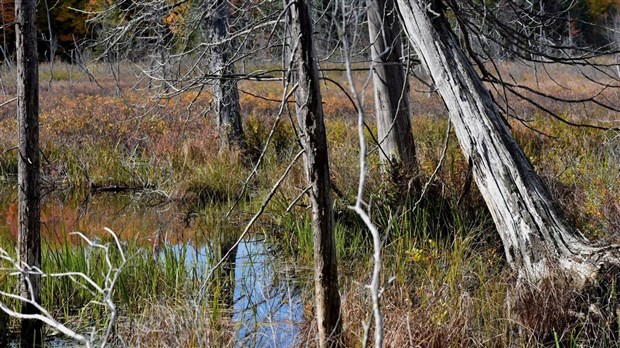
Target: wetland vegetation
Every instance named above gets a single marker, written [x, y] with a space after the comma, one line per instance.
[444, 265]
[224, 173]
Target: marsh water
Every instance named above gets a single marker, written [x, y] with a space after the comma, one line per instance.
[266, 306]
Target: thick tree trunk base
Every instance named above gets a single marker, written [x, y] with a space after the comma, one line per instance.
[538, 241]
[545, 312]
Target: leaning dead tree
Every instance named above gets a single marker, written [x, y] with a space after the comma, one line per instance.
[309, 109]
[537, 239]
[391, 88]
[28, 182]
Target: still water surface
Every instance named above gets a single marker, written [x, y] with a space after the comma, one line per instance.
[267, 307]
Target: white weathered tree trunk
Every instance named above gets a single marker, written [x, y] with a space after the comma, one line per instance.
[391, 87]
[225, 93]
[310, 119]
[537, 239]
[29, 198]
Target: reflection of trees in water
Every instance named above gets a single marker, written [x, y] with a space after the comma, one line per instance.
[227, 274]
[55, 219]
[268, 306]
[255, 289]
[129, 215]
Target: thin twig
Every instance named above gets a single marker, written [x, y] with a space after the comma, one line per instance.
[359, 207]
[260, 211]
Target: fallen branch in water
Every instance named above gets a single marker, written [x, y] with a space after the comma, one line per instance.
[105, 291]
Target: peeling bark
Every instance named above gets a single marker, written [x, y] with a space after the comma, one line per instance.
[536, 236]
[310, 119]
[391, 87]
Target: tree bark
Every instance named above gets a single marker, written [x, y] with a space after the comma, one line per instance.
[537, 239]
[310, 118]
[391, 87]
[29, 243]
[225, 93]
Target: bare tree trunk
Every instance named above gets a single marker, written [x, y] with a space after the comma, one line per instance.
[29, 244]
[615, 24]
[310, 118]
[537, 239]
[390, 85]
[225, 93]
[52, 44]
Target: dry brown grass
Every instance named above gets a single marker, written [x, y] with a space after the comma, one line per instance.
[175, 324]
[448, 292]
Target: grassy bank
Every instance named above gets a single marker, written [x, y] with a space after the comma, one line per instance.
[159, 285]
[446, 280]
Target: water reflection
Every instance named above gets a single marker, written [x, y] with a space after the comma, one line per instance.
[268, 305]
[267, 308]
[265, 303]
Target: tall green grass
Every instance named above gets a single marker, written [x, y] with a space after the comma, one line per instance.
[446, 281]
[146, 279]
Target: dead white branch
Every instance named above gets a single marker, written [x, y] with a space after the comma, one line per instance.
[104, 291]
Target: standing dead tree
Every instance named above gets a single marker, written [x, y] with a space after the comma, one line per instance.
[52, 43]
[195, 47]
[391, 88]
[225, 93]
[28, 181]
[538, 241]
[361, 207]
[614, 35]
[308, 101]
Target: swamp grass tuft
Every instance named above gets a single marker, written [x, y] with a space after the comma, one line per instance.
[446, 280]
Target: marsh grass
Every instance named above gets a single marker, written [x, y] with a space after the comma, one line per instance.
[150, 283]
[170, 324]
[446, 281]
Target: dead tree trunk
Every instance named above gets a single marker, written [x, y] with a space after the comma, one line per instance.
[390, 85]
[310, 118]
[52, 45]
[225, 93]
[615, 24]
[537, 239]
[29, 243]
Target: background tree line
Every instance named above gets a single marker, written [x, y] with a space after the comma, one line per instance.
[185, 46]
[68, 26]
[65, 23]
